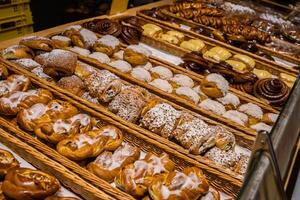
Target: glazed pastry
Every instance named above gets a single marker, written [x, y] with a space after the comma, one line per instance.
[237, 117]
[269, 118]
[103, 85]
[12, 104]
[84, 70]
[104, 27]
[101, 57]
[201, 94]
[80, 51]
[131, 34]
[61, 41]
[72, 84]
[137, 177]
[178, 35]
[7, 162]
[254, 112]
[261, 74]
[39, 72]
[193, 45]
[261, 127]
[217, 54]
[213, 106]
[214, 85]
[141, 74]
[288, 79]
[146, 66]
[119, 55]
[238, 66]
[17, 52]
[273, 90]
[128, 104]
[169, 38]
[60, 198]
[188, 94]
[161, 72]
[108, 165]
[245, 59]
[27, 63]
[107, 44]
[180, 80]
[221, 157]
[136, 55]
[160, 118]
[83, 38]
[162, 85]
[2, 197]
[189, 184]
[230, 101]
[3, 72]
[24, 183]
[151, 30]
[114, 135]
[14, 83]
[38, 43]
[121, 66]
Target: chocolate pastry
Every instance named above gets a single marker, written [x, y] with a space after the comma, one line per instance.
[7, 161]
[131, 34]
[274, 90]
[104, 27]
[177, 7]
[265, 55]
[192, 13]
[132, 20]
[249, 46]
[195, 62]
[244, 87]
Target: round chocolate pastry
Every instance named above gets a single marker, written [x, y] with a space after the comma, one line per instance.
[7, 161]
[195, 62]
[29, 184]
[130, 34]
[265, 55]
[274, 90]
[249, 46]
[104, 27]
[244, 87]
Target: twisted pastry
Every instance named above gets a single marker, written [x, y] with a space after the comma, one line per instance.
[130, 34]
[184, 5]
[192, 13]
[274, 90]
[104, 27]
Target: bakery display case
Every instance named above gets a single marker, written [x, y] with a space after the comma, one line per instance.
[172, 100]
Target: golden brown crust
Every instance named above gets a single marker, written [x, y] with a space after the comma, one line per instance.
[3, 72]
[60, 198]
[37, 42]
[7, 162]
[134, 57]
[14, 83]
[73, 84]
[17, 52]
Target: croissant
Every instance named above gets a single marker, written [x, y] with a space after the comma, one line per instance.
[3, 72]
[17, 52]
[107, 165]
[37, 42]
[137, 177]
[190, 184]
[7, 162]
[25, 184]
[14, 83]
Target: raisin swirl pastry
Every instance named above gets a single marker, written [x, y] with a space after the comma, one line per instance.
[104, 27]
[274, 90]
[25, 184]
[7, 162]
[14, 83]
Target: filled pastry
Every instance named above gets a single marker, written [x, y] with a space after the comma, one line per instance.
[151, 30]
[177, 34]
[60, 198]
[188, 94]
[136, 55]
[72, 84]
[237, 117]
[141, 74]
[27, 63]
[193, 45]
[270, 118]
[161, 72]
[107, 44]
[100, 57]
[162, 85]
[227, 159]
[7, 162]
[83, 38]
[169, 38]
[230, 101]
[213, 106]
[14, 83]
[254, 112]
[24, 183]
[61, 41]
[80, 51]
[214, 85]
[261, 127]
[17, 52]
[84, 70]
[121, 66]
[261, 74]
[217, 54]
[37, 43]
[181, 80]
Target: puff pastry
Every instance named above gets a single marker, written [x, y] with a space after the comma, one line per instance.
[17, 52]
[7, 162]
[37, 42]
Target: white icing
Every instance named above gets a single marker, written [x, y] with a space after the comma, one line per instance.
[220, 82]
[36, 111]
[39, 72]
[109, 40]
[27, 63]
[261, 127]
[188, 92]
[162, 85]
[140, 49]
[119, 55]
[162, 72]
[252, 110]
[199, 91]
[213, 106]
[101, 57]
[121, 66]
[61, 38]
[109, 132]
[88, 37]
[229, 98]
[273, 117]
[81, 51]
[9, 86]
[236, 116]
[141, 74]
[147, 66]
[15, 99]
[182, 80]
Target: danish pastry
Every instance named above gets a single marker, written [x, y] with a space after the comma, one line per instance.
[17, 52]
[237, 117]
[84, 70]
[14, 83]
[241, 166]
[108, 165]
[181, 80]
[136, 55]
[83, 38]
[114, 135]
[107, 44]
[178, 35]
[254, 112]
[61, 41]
[162, 85]
[245, 59]
[7, 162]
[217, 54]
[141, 74]
[100, 57]
[212, 194]
[3, 72]
[73, 84]
[80, 51]
[161, 72]
[27, 63]
[224, 158]
[169, 38]
[193, 45]
[214, 85]
[24, 183]
[225, 140]
[38, 43]
[261, 74]
[213, 106]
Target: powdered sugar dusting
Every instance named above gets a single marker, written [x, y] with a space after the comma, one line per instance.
[261, 127]
[121, 66]
[162, 85]
[141, 74]
[252, 110]
[183, 80]
[140, 49]
[189, 93]
[27, 63]
[236, 116]
[213, 106]
[101, 57]
[109, 40]
[220, 82]
[229, 98]
[81, 51]
[162, 72]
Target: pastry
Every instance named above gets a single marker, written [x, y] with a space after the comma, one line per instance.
[288, 79]
[181, 80]
[161, 72]
[151, 30]
[12, 104]
[189, 184]
[221, 157]
[269, 118]
[193, 45]
[178, 6]
[24, 183]
[17, 52]
[212, 194]
[136, 55]
[273, 90]
[241, 166]
[107, 44]
[38, 43]
[119, 55]
[7, 162]
[83, 38]
[100, 57]
[108, 164]
[230, 101]
[217, 54]
[160, 118]
[61, 41]
[141, 74]
[254, 112]
[178, 35]
[238, 66]
[162, 85]
[80, 51]
[245, 59]
[121, 66]
[89, 98]
[70, 30]
[146, 66]
[14, 83]
[213, 106]
[169, 38]
[137, 177]
[60, 198]
[188, 94]
[201, 94]
[3, 72]
[84, 70]
[104, 26]
[261, 74]
[2, 197]
[128, 104]
[72, 84]
[237, 117]
[114, 135]
[225, 140]
[214, 85]
[131, 34]
[27, 63]
[39, 72]
[261, 127]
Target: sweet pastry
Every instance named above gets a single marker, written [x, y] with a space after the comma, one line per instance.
[83, 38]
[245, 59]
[121, 66]
[80, 51]
[261, 127]
[141, 74]
[201, 94]
[39, 72]
[128, 104]
[89, 98]
[178, 6]
[2, 197]
[269, 118]
[181, 80]
[38, 43]
[135, 178]
[108, 164]
[238, 66]
[188, 94]
[160, 118]
[178, 35]
[146, 66]
[188, 184]
[241, 166]
[17, 52]
[27, 63]
[24, 183]
[254, 112]
[162, 85]
[7, 162]
[119, 55]
[214, 85]
[3, 72]
[100, 57]
[221, 157]
[237, 117]
[84, 70]
[273, 90]
[14, 83]
[136, 55]
[261, 74]
[104, 26]
[73, 84]
[161, 72]
[114, 135]
[217, 54]
[230, 101]
[169, 38]
[288, 79]
[70, 30]
[213, 106]
[193, 45]
[195, 62]
[151, 30]
[212, 194]
[107, 44]
[225, 140]
[61, 41]
[131, 34]
[60, 198]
